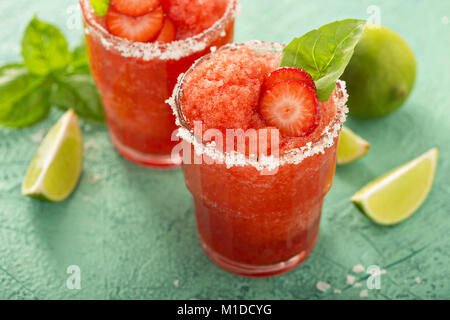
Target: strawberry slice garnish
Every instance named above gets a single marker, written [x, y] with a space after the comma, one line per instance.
[139, 29]
[167, 33]
[135, 7]
[287, 73]
[291, 106]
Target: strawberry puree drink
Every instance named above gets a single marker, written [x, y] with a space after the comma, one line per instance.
[258, 217]
[137, 49]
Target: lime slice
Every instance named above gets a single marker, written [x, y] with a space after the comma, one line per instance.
[351, 147]
[56, 167]
[395, 196]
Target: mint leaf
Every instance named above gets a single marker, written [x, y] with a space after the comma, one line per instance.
[325, 53]
[24, 97]
[78, 92]
[100, 6]
[44, 48]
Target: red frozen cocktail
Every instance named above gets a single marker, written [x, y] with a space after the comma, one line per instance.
[136, 52]
[257, 215]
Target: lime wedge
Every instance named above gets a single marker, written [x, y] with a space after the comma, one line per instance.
[56, 167]
[395, 196]
[351, 147]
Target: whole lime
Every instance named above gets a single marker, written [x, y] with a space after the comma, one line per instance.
[381, 74]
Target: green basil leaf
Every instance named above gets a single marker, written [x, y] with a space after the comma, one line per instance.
[44, 48]
[24, 97]
[325, 53]
[100, 6]
[78, 92]
[80, 63]
[79, 52]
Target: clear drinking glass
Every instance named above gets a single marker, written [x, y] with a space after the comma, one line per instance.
[256, 224]
[135, 80]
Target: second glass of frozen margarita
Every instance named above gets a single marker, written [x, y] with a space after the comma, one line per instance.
[136, 50]
[258, 193]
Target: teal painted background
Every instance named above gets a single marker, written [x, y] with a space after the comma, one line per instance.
[132, 230]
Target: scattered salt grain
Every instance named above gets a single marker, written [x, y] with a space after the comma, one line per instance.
[213, 49]
[322, 286]
[383, 271]
[94, 178]
[176, 283]
[417, 280]
[38, 136]
[91, 144]
[358, 268]
[357, 285]
[336, 291]
[350, 279]
[364, 293]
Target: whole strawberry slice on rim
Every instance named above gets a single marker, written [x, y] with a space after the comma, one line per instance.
[140, 29]
[135, 7]
[291, 106]
[168, 32]
[287, 73]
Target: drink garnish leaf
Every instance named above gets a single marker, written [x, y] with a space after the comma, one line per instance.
[100, 6]
[325, 53]
[44, 48]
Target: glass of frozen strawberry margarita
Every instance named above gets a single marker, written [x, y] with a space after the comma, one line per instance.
[137, 49]
[257, 214]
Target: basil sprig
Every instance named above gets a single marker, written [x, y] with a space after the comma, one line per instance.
[50, 75]
[325, 53]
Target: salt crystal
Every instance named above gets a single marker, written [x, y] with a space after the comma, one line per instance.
[364, 293]
[322, 286]
[91, 144]
[358, 268]
[417, 280]
[38, 136]
[336, 291]
[176, 283]
[350, 279]
[357, 285]
[94, 178]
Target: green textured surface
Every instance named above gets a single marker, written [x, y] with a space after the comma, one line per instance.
[133, 231]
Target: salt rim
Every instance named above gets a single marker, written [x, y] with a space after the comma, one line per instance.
[234, 158]
[174, 50]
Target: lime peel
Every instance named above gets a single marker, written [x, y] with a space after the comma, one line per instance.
[351, 147]
[55, 170]
[395, 196]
